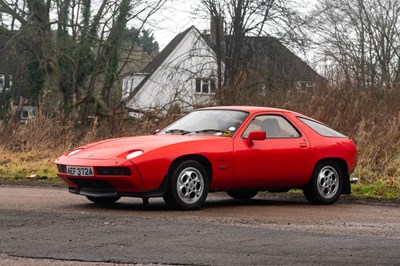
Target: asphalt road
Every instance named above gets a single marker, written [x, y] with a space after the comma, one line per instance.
[49, 226]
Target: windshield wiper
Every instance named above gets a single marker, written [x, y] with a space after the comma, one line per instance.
[185, 132]
[209, 130]
[177, 130]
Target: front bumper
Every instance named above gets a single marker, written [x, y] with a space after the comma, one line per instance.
[111, 177]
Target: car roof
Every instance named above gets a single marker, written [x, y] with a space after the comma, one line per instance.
[251, 109]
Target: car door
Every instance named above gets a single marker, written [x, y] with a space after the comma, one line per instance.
[281, 159]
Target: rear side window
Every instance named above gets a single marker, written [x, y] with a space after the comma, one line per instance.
[321, 129]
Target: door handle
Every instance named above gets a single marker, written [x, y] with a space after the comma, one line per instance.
[303, 144]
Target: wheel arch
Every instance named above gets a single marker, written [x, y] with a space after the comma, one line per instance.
[345, 172]
[195, 157]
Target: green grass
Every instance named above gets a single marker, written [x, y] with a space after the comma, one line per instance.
[31, 166]
[377, 190]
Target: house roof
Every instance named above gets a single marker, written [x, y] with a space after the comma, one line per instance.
[4, 55]
[268, 52]
[14, 66]
[160, 58]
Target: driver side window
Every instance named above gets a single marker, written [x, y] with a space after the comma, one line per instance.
[275, 126]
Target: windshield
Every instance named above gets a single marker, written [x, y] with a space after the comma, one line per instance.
[208, 122]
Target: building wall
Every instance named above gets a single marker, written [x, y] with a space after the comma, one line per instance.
[130, 82]
[174, 82]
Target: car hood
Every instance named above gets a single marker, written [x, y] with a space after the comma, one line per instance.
[120, 147]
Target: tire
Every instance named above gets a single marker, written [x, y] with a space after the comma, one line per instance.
[242, 194]
[326, 184]
[188, 186]
[103, 200]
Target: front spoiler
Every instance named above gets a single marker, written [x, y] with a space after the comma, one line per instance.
[98, 193]
[109, 192]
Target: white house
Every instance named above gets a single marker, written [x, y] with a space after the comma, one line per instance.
[184, 74]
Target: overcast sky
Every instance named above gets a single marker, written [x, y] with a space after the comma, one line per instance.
[174, 18]
[178, 15]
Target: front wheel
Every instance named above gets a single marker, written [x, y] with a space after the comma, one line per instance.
[103, 200]
[326, 184]
[188, 186]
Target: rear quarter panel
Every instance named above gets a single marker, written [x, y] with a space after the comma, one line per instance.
[329, 147]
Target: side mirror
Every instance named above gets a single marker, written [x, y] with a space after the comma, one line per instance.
[156, 131]
[256, 135]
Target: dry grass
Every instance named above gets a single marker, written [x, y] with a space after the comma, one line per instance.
[28, 165]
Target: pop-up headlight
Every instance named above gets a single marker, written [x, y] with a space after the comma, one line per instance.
[73, 152]
[133, 155]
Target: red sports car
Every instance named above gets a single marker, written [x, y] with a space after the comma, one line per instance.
[240, 150]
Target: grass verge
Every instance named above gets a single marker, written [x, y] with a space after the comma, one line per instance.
[377, 190]
[29, 166]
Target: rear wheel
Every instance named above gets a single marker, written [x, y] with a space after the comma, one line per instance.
[242, 194]
[188, 186]
[103, 200]
[326, 184]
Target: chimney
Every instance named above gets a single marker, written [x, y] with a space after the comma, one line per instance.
[217, 30]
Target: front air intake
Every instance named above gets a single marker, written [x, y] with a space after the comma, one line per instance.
[113, 171]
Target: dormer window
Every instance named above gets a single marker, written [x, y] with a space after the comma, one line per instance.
[2, 82]
[205, 85]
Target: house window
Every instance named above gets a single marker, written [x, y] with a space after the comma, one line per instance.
[204, 85]
[303, 85]
[127, 87]
[5, 82]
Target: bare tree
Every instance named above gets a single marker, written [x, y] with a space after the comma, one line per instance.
[75, 46]
[242, 18]
[361, 40]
